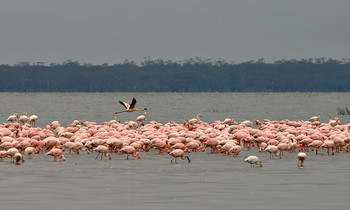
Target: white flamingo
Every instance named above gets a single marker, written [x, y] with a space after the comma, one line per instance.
[273, 150]
[301, 157]
[253, 160]
[32, 119]
[12, 118]
[195, 120]
[141, 118]
[23, 118]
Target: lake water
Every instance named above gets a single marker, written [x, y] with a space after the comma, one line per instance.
[209, 181]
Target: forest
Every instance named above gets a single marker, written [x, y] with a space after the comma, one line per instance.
[191, 75]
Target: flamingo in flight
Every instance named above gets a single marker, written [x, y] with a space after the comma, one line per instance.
[131, 107]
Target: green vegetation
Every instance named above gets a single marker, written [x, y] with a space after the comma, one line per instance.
[192, 75]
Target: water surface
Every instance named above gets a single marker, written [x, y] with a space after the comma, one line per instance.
[209, 181]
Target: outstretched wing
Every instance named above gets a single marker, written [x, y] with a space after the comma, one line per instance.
[133, 102]
[127, 106]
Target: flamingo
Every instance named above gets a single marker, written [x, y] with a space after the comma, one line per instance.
[178, 153]
[131, 107]
[17, 157]
[229, 121]
[29, 151]
[272, 149]
[32, 119]
[314, 118]
[130, 150]
[195, 120]
[236, 149]
[13, 117]
[103, 150]
[23, 118]
[11, 153]
[301, 158]
[56, 153]
[253, 160]
[141, 118]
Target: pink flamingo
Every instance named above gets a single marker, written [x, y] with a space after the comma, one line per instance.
[301, 158]
[56, 153]
[329, 145]
[212, 143]
[178, 153]
[194, 146]
[131, 107]
[236, 149]
[103, 150]
[161, 146]
[3, 154]
[130, 150]
[316, 144]
[283, 147]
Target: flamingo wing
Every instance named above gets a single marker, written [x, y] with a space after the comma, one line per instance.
[133, 102]
[127, 106]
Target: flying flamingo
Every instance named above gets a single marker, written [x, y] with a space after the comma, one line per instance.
[301, 158]
[253, 160]
[131, 107]
[178, 153]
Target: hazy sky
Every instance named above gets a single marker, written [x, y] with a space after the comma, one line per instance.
[109, 31]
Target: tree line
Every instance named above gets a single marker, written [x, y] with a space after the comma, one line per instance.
[191, 75]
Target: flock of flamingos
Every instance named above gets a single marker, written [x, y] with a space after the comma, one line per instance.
[20, 139]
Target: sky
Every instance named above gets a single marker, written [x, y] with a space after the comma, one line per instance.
[110, 31]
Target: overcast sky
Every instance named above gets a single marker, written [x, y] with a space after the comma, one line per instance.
[109, 31]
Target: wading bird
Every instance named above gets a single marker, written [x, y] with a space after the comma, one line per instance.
[12, 118]
[131, 107]
[301, 158]
[253, 160]
[178, 153]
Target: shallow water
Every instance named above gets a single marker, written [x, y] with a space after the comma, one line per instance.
[209, 181]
